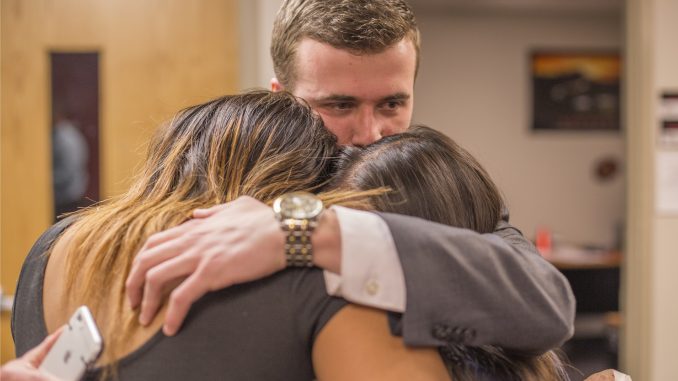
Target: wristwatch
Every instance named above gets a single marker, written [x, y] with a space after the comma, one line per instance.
[298, 214]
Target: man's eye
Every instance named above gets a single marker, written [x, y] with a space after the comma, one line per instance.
[342, 105]
[391, 105]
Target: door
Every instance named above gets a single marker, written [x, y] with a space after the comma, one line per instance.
[155, 57]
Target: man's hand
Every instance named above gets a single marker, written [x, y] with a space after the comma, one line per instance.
[225, 245]
[26, 367]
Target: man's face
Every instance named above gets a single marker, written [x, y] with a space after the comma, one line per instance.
[360, 98]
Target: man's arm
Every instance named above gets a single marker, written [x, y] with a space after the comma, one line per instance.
[511, 287]
[479, 288]
[228, 244]
[371, 274]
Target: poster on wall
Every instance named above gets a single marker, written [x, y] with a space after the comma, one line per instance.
[576, 91]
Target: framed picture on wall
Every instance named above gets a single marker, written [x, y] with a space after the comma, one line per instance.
[576, 90]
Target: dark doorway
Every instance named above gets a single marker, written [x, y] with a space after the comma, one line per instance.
[75, 130]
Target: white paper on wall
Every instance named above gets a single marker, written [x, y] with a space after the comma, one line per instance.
[666, 196]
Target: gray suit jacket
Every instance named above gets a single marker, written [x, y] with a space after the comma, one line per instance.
[476, 289]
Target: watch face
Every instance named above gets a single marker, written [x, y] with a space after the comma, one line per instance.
[298, 205]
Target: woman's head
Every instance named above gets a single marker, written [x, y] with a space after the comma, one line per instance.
[430, 176]
[260, 144]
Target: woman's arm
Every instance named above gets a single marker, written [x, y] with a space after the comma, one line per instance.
[356, 344]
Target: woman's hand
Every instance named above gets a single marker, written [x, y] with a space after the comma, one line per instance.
[25, 368]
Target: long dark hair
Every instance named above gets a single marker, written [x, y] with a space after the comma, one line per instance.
[432, 177]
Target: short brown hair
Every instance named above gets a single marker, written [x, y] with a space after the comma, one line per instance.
[358, 26]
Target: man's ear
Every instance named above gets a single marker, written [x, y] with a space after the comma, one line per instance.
[276, 85]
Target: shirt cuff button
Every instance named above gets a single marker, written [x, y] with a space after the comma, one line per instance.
[372, 287]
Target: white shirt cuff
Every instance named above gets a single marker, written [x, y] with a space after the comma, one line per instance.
[371, 273]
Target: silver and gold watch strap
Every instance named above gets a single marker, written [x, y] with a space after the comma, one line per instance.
[298, 248]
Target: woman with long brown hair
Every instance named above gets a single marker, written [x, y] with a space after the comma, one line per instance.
[432, 177]
[260, 145]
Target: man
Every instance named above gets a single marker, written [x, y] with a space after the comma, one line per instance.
[355, 62]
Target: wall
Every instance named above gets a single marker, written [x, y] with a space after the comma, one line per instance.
[471, 60]
[666, 226]
[156, 57]
[651, 336]
[256, 24]
[474, 83]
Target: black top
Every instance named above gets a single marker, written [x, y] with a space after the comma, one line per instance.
[262, 330]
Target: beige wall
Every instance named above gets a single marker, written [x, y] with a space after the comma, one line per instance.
[666, 226]
[156, 57]
[474, 85]
[255, 40]
[651, 335]
[477, 59]
[665, 264]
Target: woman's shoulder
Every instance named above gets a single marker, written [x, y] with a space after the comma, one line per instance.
[43, 244]
[357, 333]
[28, 327]
[296, 297]
[276, 319]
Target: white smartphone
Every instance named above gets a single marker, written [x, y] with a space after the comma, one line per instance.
[78, 346]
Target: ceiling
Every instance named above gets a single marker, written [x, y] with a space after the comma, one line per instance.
[575, 6]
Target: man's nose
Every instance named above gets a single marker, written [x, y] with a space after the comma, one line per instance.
[367, 130]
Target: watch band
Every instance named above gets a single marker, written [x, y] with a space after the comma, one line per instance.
[298, 213]
[298, 248]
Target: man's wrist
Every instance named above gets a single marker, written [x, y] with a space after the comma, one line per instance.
[326, 241]
[298, 214]
[371, 273]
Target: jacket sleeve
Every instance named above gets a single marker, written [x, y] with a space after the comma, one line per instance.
[478, 289]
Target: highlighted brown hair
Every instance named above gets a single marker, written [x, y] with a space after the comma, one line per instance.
[259, 144]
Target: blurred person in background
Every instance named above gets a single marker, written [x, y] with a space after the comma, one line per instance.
[69, 166]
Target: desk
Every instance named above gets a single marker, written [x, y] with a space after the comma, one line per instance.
[575, 258]
[593, 276]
